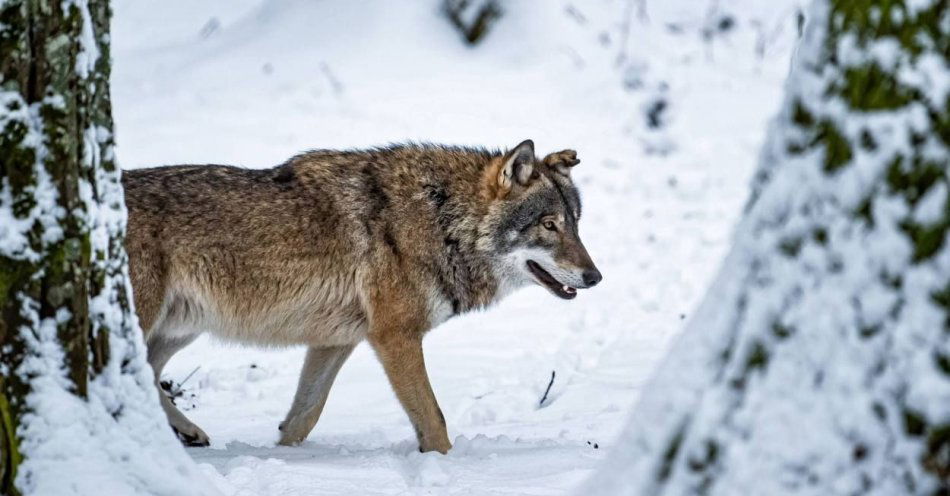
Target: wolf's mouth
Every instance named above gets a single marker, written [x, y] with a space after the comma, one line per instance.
[546, 279]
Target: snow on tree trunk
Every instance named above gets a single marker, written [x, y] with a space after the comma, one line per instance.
[79, 413]
[819, 362]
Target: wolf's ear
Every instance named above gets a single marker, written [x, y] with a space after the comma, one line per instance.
[518, 166]
[562, 161]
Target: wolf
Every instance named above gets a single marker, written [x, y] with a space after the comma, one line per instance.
[335, 247]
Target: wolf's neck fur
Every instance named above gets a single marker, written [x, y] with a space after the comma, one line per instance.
[425, 204]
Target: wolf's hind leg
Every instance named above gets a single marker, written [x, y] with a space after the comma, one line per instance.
[160, 350]
[319, 370]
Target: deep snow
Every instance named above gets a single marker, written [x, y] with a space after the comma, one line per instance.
[252, 82]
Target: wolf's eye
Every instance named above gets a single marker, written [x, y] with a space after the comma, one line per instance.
[549, 225]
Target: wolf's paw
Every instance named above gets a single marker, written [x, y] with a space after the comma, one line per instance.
[562, 161]
[292, 432]
[288, 439]
[441, 445]
[192, 435]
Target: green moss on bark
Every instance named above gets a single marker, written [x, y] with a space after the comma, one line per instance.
[837, 147]
[871, 88]
[10, 454]
[876, 19]
[758, 357]
[669, 454]
[936, 458]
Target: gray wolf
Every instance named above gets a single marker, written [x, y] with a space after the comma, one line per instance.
[334, 247]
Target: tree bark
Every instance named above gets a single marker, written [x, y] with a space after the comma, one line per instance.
[66, 319]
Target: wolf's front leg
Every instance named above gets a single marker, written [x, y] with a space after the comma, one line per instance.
[319, 370]
[401, 355]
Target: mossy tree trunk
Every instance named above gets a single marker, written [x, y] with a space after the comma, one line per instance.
[61, 215]
[819, 362]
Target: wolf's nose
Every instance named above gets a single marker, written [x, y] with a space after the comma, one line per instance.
[591, 277]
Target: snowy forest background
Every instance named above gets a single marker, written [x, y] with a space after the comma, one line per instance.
[774, 313]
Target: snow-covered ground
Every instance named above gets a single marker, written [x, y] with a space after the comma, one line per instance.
[252, 82]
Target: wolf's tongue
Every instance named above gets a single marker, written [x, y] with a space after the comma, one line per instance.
[568, 289]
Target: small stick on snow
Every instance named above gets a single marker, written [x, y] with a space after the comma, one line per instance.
[334, 82]
[182, 383]
[546, 391]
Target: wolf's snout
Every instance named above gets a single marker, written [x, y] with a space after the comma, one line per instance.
[591, 277]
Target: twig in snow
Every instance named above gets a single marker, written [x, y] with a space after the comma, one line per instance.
[472, 19]
[625, 26]
[175, 391]
[546, 391]
[642, 13]
[211, 27]
[334, 82]
[182, 383]
[575, 14]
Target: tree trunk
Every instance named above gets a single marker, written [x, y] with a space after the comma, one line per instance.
[819, 362]
[72, 368]
[48, 108]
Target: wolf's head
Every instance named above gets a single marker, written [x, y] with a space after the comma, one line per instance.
[532, 224]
